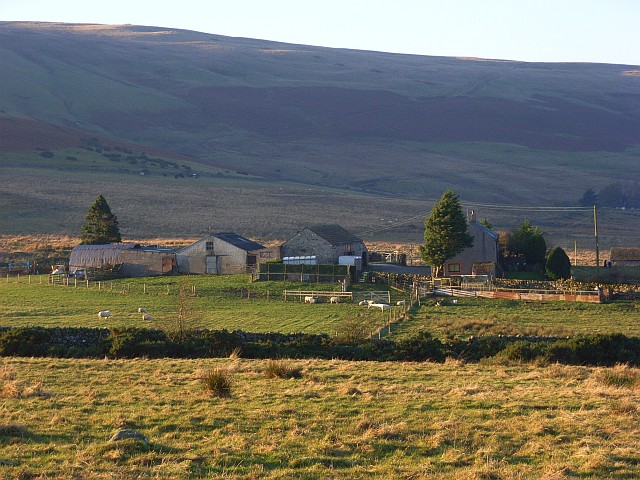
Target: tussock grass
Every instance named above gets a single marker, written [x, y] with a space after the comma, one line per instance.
[13, 431]
[15, 389]
[620, 376]
[282, 369]
[217, 382]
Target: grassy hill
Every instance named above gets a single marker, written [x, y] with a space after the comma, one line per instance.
[284, 134]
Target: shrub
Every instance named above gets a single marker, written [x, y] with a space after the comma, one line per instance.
[599, 350]
[280, 369]
[418, 348]
[558, 265]
[475, 348]
[25, 342]
[520, 352]
[352, 331]
[217, 382]
[137, 342]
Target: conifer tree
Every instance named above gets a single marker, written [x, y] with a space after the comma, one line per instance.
[558, 265]
[100, 225]
[445, 232]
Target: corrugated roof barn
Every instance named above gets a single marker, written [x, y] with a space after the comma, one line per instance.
[136, 260]
[625, 256]
[97, 256]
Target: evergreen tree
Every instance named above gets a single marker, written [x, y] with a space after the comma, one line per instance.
[528, 241]
[100, 225]
[558, 264]
[589, 198]
[445, 232]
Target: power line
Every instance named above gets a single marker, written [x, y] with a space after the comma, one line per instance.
[531, 208]
[487, 206]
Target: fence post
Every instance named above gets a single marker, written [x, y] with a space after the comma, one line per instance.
[144, 288]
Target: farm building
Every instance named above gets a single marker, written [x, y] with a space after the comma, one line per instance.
[133, 259]
[224, 253]
[327, 243]
[625, 256]
[481, 258]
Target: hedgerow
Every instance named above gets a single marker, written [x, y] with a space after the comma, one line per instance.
[599, 350]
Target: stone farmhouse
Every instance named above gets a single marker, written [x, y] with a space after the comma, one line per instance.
[326, 242]
[480, 259]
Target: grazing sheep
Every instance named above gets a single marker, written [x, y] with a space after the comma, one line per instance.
[362, 303]
[104, 313]
[142, 310]
[381, 306]
[401, 303]
[310, 300]
[147, 317]
[334, 300]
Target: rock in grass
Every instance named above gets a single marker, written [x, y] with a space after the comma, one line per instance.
[127, 433]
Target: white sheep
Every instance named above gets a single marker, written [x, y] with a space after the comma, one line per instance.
[401, 303]
[310, 299]
[334, 300]
[104, 313]
[362, 303]
[142, 310]
[381, 306]
[147, 317]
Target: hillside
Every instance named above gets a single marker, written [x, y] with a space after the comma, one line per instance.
[386, 133]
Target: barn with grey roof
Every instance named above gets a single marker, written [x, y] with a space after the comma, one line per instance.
[326, 242]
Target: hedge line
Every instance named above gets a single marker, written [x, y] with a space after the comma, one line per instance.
[597, 350]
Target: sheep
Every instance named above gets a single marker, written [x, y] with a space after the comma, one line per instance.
[104, 313]
[381, 306]
[362, 303]
[147, 317]
[334, 300]
[142, 310]
[310, 299]
[401, 303]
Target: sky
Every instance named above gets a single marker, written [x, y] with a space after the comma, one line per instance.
[598, 31]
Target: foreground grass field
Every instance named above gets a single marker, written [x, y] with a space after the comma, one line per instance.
[346, 420]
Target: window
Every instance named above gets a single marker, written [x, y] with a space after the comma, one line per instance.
[251, 259]
[265, 254]
[209, 246]
[454, 268]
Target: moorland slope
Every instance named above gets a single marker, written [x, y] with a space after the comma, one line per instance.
[370, 126]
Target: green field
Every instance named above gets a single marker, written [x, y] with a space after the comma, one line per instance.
[219, 302]
[235, 303]
[347, 420]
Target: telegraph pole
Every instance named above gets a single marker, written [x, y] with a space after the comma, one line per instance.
[595, 230]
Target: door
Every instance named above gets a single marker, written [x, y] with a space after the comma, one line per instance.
[212, 264]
